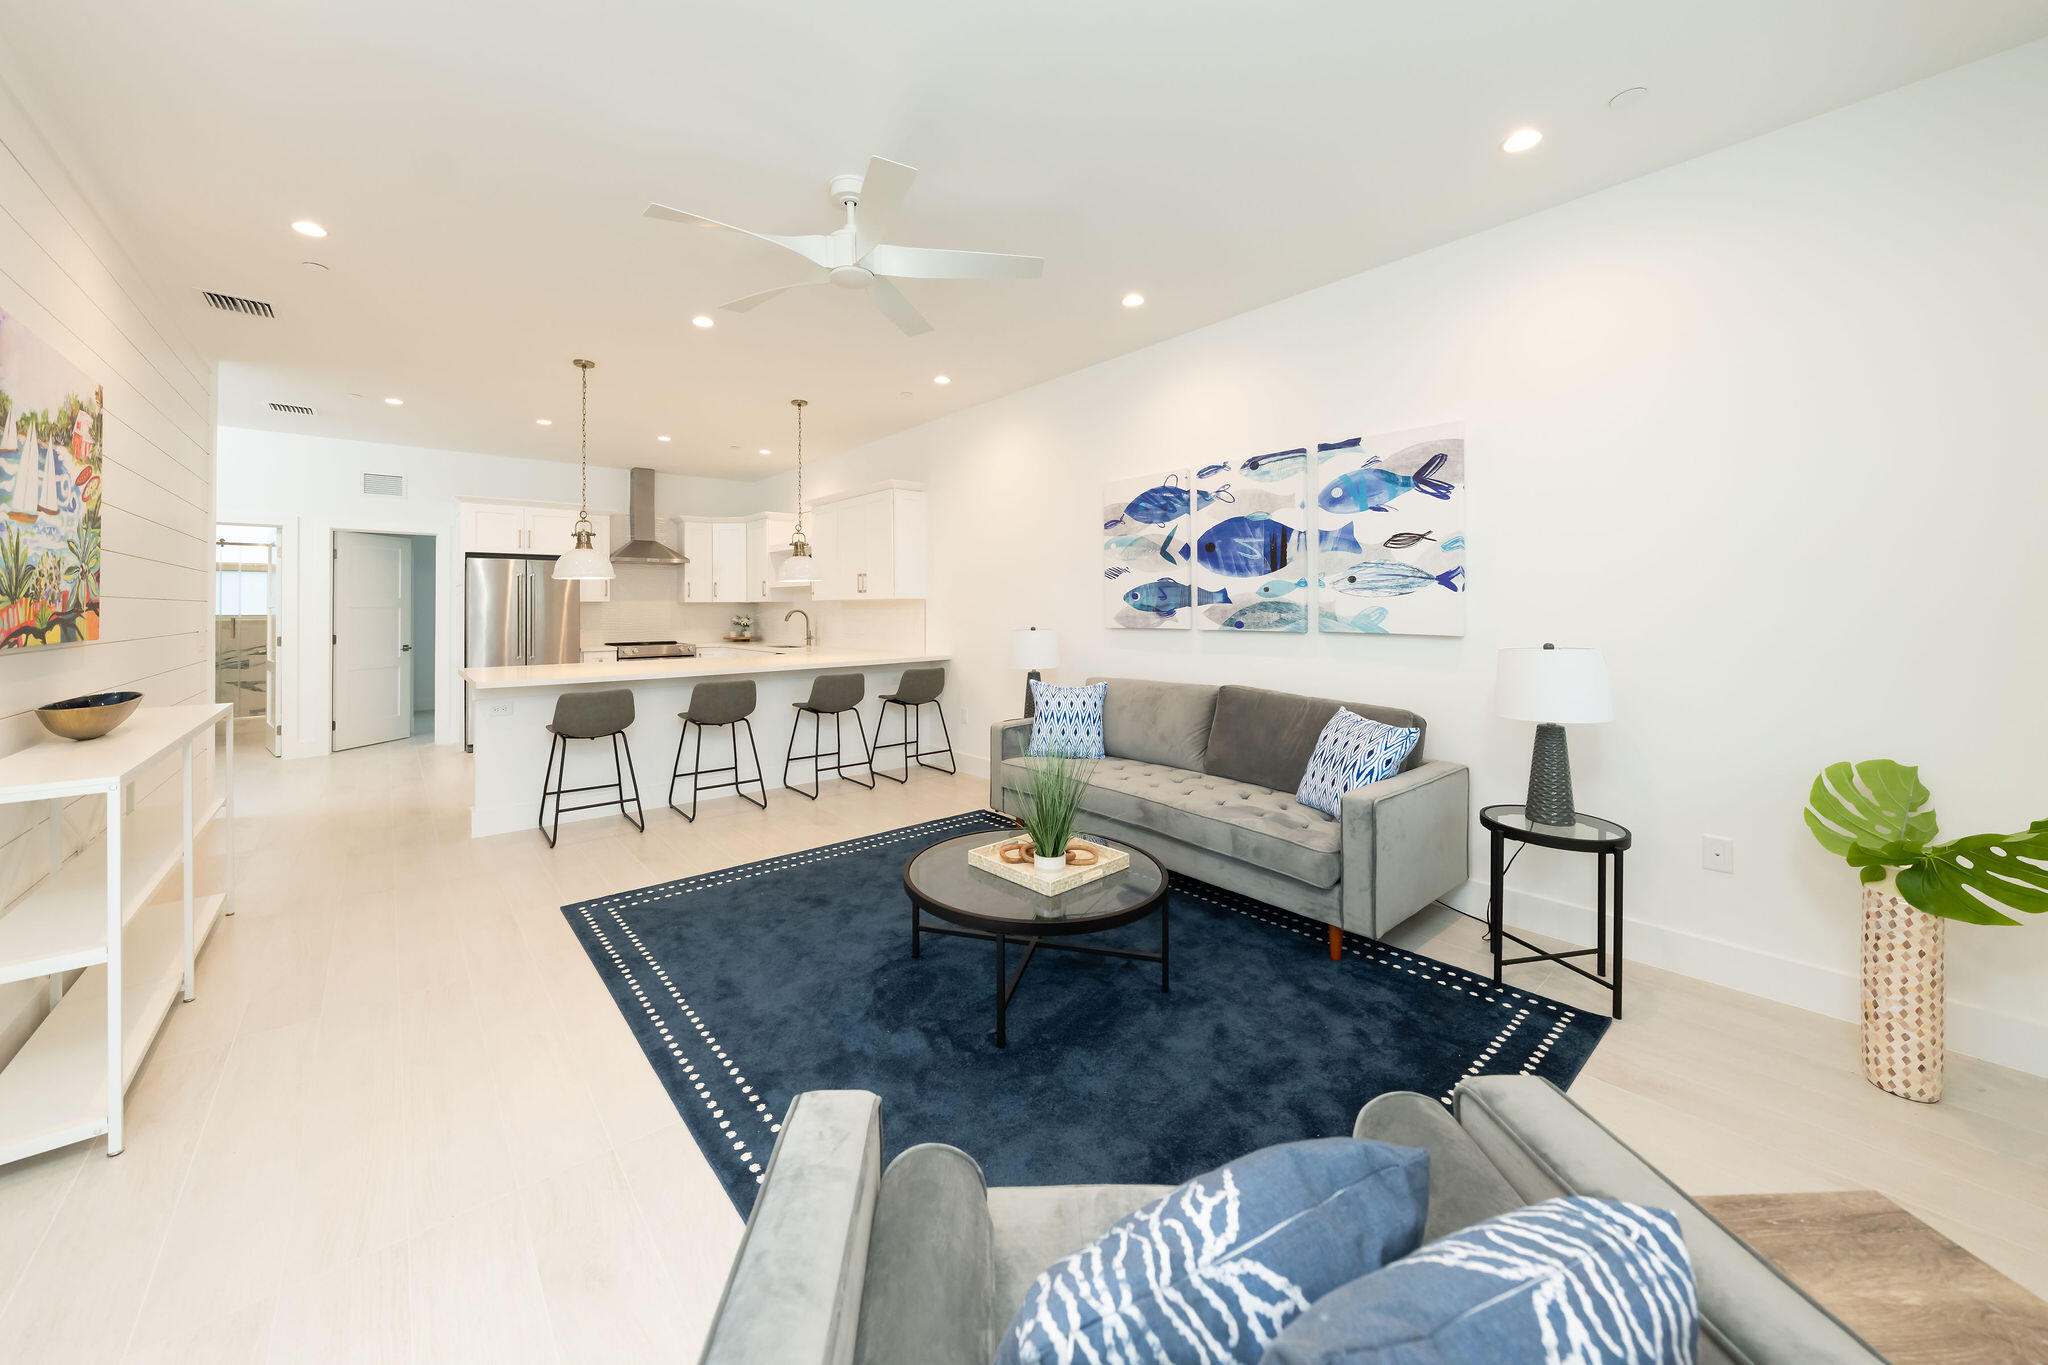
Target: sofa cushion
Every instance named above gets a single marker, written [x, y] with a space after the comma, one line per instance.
[1066, 720]
[924, 1299]
[1353, 752]
[1157, 722]
[1036, 1225]
[1464, 1187]
[1267, 737]
[1250, 823]
[1215, 1269]
[1585, 1280]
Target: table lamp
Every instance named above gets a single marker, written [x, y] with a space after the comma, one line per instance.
[1553, 687]
[1034, 649]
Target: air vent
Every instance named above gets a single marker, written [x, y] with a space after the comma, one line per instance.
[384, 485]
[229, 303]
[295, 409]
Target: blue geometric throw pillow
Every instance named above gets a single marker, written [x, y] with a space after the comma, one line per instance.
[1351, 752]
[1066, 720]
[1212, 1271]
[1589, 1281]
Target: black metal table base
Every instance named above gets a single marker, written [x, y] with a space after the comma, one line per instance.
[1498, 935]
[1007, 981]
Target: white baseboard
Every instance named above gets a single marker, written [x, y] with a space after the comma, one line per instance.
[1973, 1031]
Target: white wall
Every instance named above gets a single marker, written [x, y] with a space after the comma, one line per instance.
[1766, 427]
[64, 275]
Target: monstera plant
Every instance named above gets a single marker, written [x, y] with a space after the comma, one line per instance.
[1875, 816]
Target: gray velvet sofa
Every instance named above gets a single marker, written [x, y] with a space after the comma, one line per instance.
[1203, 779]
[923, 1264]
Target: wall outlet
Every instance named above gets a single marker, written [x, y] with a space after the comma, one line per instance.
[498, 710]
[1717, 853]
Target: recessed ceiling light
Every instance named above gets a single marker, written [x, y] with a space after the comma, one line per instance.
[306, 227]
[766, 451]
[700, 321]
[661, 438]
[942, 379]
[1521, 140]
[396, 402]
[543, 421]
[1134, 300]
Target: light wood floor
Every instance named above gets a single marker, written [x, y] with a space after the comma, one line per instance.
[404, 1121]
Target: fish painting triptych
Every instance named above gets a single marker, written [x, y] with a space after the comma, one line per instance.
[1363, 535]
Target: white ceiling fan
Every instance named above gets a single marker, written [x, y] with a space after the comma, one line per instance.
[856, 257]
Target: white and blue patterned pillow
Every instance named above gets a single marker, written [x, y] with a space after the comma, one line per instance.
[1565, 1282]
[1351, 752]
[1213, 1271]
[1066, 720]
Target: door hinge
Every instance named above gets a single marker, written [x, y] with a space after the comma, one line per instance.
[337, 552]
[334, 639]
[333, 725]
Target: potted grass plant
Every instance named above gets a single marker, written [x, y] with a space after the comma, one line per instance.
[1874, 815]
[1052, 805]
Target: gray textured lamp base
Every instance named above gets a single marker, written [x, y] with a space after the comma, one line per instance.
[1030, 698]
[1550, 778]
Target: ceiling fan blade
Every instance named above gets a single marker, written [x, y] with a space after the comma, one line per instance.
[813, 248]
[882, 192]
[896, 308]
[756, 300]
[928, 263]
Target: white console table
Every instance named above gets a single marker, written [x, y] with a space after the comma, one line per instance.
[99, 912]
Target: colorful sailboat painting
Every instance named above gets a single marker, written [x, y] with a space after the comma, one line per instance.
[52, 419]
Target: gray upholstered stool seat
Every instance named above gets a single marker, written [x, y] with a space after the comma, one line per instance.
[717, 703]
[834, 695]
[591, 716]
[915, 690]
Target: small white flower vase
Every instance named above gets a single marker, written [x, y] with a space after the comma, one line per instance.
[1048, 867]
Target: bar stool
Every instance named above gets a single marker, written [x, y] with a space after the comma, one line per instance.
[717, 703]
[917, 689]
[590, 715]
[832, 694]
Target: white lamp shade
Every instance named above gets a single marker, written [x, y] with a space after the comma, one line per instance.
[580, 564]
[1567, 686]
[800, 569]
[1039, 649]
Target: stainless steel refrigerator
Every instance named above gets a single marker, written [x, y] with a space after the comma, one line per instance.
[515, 611]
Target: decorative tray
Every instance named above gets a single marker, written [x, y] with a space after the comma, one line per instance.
[1101, 861]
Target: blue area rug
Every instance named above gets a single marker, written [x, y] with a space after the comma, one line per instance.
[750, 985]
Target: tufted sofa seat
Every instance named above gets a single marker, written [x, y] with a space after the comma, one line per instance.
[1203, 778]
[1239, 819]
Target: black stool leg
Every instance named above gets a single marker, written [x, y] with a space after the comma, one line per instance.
[676, 769]
[759, 780]
[867, 755]
[557, 832]
[546, 783]
[817, 738]
[952, 763]
[881, 720]
[639, 817]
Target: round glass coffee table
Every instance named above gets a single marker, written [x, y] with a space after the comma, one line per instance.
[976, 904]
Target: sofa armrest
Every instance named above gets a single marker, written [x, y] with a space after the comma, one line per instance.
[1405, 844]
[1006, 739]
[1547, 1146]
[794, 1294]
[926, 1299]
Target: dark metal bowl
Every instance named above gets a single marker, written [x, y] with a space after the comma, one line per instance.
[88, 717]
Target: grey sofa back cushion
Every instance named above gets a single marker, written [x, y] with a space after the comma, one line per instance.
[1266, 737]
[1157, 722]
[925, 1298]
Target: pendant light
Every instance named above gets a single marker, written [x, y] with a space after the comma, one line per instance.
[801, 566]
[585, 560]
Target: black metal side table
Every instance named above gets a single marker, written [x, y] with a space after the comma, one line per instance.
[1605, 840]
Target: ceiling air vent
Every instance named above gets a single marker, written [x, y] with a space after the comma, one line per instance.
[229, 303]
[384, 485]
[295, 409]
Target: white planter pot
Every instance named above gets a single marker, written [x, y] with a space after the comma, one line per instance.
[1048, 867]
[1904, 1002]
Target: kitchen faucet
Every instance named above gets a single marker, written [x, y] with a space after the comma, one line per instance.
[810, 636]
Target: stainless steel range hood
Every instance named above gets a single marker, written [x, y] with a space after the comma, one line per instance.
[643, 548]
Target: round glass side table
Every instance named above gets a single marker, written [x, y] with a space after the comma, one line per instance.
[1606, 841]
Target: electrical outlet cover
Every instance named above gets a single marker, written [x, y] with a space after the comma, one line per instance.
[1717, 853]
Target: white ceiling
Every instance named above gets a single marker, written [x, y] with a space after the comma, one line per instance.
[482, 170]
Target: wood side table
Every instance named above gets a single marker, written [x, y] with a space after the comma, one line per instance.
[1605, 840]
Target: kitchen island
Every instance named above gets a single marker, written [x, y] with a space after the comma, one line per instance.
[514, 704]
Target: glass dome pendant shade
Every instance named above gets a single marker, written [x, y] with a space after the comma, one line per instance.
[585, 561]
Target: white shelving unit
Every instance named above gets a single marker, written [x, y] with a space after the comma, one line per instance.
[97, 913]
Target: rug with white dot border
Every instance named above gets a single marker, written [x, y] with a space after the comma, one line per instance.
[750, 985]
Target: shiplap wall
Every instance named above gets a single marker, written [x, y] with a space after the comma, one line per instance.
[63, 274]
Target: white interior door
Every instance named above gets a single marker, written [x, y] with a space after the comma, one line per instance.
[273, 702]
[372, 639]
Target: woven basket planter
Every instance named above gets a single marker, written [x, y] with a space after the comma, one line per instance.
[1903, 1001]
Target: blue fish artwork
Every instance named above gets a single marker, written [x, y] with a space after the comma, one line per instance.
[1370, 621]
[1268, 616]
[1255, 545]
[1159, 504]
[1280, 587]
[1203, 497]
[1280, 464]
[1210, 471]
[1164, 597]
[1392, 578]
[1454, 544]
[1112, 523]
[1372, 487]
[1115, 571]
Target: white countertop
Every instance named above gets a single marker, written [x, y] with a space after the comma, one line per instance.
[658, 670]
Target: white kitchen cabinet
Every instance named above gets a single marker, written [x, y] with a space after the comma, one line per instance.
[527, 528]
[767, 552]
[717, 571]
[871, 545]
[696, 547]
